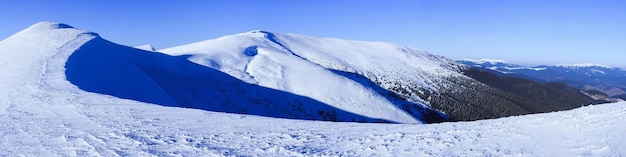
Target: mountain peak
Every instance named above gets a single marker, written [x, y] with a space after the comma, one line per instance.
[257, 31]
[47, 29]
[49, 25]
[46, 32]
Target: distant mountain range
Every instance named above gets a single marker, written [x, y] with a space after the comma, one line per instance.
[588, 77]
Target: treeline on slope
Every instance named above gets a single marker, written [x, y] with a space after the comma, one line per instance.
[461, 98]
[524, 96]
[414, 109]
[487, 96]
[555, 95]
[623, 96]
[468, 100]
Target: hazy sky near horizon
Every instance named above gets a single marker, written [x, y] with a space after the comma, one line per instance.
[519, 31]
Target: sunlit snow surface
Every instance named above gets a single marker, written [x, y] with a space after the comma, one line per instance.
[332, 71]
[146, 47]
[42, 114]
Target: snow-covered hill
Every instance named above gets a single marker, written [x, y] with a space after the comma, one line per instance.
[44, 114]
[353, 74]
[97, 65]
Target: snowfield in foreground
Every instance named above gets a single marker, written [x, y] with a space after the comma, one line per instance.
[43, 114]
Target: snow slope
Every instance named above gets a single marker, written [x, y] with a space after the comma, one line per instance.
[391, 61]
[104, 67]
[366, 78]
[255, 58]
[347, 74]
[43, 114]
[146, 47]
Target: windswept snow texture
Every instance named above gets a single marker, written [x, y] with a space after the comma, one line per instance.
[43, 114]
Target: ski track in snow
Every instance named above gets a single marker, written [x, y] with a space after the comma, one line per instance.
[44, 115]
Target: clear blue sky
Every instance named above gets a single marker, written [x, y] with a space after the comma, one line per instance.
[520, 31]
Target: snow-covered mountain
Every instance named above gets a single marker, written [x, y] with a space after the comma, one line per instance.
[293, 76]
[498, 65]
[352, 75]
[609, 80]
[341, 72]
[46, 111]
[98, 65]
[488, 62]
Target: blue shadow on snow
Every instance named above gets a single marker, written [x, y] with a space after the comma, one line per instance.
[104, 67]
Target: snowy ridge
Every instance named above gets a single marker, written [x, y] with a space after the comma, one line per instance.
[483, 61]
[293, 63]
[33, 46]
[146, 47]
[43, 114]
[498, 65]
[368, 57]
[588, 65]
[276, 61]
[175, 81]
[530, 68]
[350, 75]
